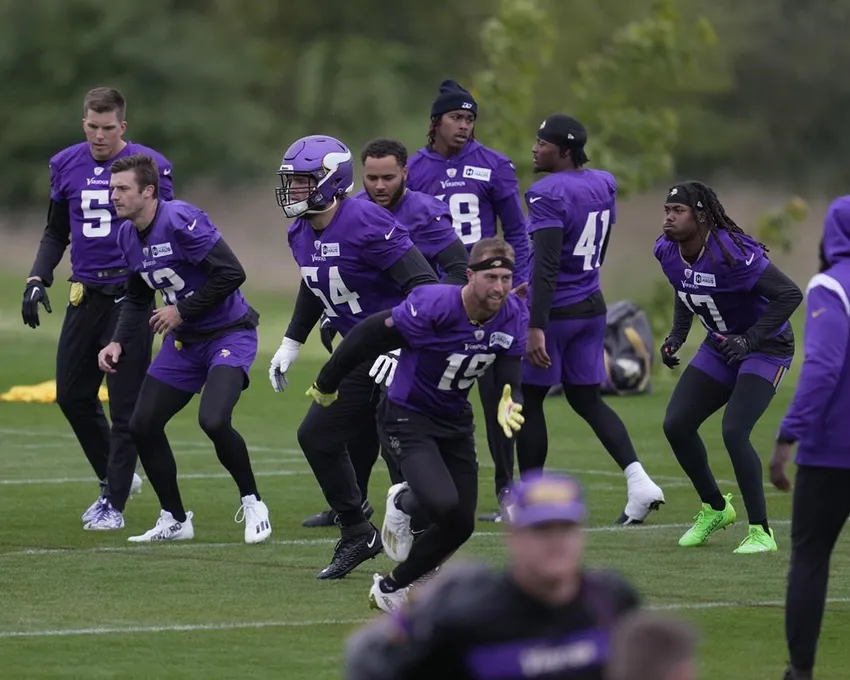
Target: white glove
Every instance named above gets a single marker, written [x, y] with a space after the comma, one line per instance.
[286, 354]
[383, 370]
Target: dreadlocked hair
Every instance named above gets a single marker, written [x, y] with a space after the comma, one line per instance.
[718, 219]
[432, 130]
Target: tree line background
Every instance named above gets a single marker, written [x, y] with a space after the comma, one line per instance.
[727, 91]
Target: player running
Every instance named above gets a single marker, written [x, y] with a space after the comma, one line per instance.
[723, 276]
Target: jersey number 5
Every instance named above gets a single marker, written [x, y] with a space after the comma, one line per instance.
[473, 368]
[340, 295]
[169, 276]
[705, 308]
[97, 220]
[466, 219]
[588, 244]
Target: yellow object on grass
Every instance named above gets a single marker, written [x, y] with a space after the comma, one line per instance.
[43, 393]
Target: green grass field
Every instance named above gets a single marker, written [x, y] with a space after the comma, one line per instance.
[76, 604]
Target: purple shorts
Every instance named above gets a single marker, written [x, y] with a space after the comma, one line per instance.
[712, 362]
[577, 350]
[186, 368]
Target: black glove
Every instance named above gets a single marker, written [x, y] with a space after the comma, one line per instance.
[668, 351]
[734, 348]
[34, 293]
[327, 333]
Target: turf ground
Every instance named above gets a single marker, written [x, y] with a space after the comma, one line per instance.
[75, 604]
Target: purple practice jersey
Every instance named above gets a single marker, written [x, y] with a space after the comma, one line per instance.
[345, 265]
[83, 182]
[446, 352]
[583, 204]
[719, 293]
[427, 219]
[472, 183]
[169, 260]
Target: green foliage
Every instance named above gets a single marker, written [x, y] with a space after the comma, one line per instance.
[777, 227]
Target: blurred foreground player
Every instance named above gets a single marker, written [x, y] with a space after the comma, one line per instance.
[355, 259]
[480, 186]
[449, 336]
[429, 224]
[210, 341]
[744, 301]
[81, 214]
[651, 646]
[544, 616]
[570, 212]
[817, 421]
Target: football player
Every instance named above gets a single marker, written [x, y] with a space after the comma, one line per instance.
[355, 259]
[724, 277]
[479, 185]
[209, 343]
[570, 214]
[81, 214]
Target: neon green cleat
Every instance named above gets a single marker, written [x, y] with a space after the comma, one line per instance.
[707, 522]
[757, 541]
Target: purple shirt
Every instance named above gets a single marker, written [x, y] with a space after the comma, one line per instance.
[346, 264]
[169, 260]
[719, 293]
[583, 204]
[446, 353]
[427, 219]
[478, 185]
[817, 417]
[78, 178]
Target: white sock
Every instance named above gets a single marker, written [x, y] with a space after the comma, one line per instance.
[635, 472]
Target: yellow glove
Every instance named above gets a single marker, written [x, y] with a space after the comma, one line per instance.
[321, 398]
[510, 413]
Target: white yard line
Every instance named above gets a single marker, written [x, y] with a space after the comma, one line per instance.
[190, 545]
[242, 625]
[189, 475]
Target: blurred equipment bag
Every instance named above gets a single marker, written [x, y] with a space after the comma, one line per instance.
[629, 350]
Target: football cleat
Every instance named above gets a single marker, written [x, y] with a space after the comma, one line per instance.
[757, 541]
[106, 519]
[327, 518]
[707, 522]
[358, 543]
[167, 529]
[395, 532]
[644, 497]
[92, 511]
[386, 602]
[255, 514]
[136, 485]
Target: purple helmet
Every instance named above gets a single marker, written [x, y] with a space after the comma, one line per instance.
[327, 162]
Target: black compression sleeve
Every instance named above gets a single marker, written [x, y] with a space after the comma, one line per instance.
[508, 371]
[308, 310]
[683, 318]
[225, 275]
[453, 260]
[54, 241]
[135, 309]
[784, 297]
[547, 261]
[370, 338]
[412, 270]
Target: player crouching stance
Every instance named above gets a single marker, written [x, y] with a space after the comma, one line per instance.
[210, 341]
[449, 337]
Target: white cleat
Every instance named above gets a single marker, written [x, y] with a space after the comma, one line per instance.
[644, 496]
[386, 602]
[255, 514]
[395, 531]
[136, 486]
[167, 529]
[107, 519]
[93, 510]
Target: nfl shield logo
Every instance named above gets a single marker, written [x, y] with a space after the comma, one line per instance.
[317, 244]
[451, 172]
[146, 251]
[688, 273]
[479, 334]
[98, 171]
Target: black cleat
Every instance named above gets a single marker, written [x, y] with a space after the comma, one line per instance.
[358, 544]
[327, 518]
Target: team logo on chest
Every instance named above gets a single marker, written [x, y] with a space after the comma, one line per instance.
[98, 171]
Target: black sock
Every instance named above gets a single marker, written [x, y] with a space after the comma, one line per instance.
[587, 402]
[716, 501]
[388, 584]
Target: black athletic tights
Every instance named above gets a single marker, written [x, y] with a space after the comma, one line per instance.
[158, 403]
[532, 443]
[696, 397]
